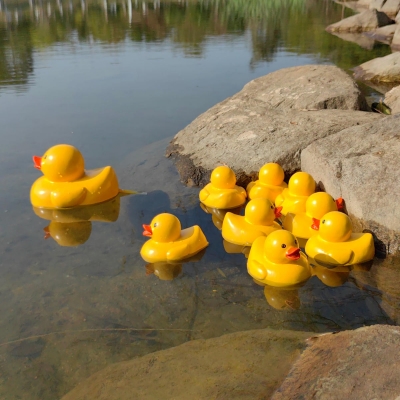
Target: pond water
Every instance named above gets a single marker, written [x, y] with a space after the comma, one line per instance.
[118, 80]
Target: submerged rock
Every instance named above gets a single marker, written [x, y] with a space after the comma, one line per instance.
[353, 365]
[365, 21]
[271, 120]
[244, 365]
[384, 34]
[381, 69]
[361, 165]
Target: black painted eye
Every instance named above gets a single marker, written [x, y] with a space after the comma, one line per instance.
[295, 242]
[44, 157]
[323, 221]
[272, 207]
[283, 246]
[155, 224]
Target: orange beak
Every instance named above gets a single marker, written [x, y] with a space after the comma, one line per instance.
[147, 230]
[277, 212]
[315, 224]
[37, 162]
[46, 232]
[293, 253]
[339, 203]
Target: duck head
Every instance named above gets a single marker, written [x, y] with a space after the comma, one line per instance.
[271, 174]
[261, 212]
[320, 203]
[335, 226]
[301, 184]
[281, 247]
[163, 228]
[223, 178]
[61, 163]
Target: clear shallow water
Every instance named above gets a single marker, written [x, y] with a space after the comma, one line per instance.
[118, 84]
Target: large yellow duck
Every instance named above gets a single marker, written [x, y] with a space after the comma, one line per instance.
[276, 260]
[269, 184]
[65, 182]
[222, 191]
[293, 199]
[336, 244]
[168, 242]
[306, 225]
[258, 220]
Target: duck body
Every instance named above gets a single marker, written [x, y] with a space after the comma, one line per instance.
[67, 184]
[168, 242]
[358, 248]
[277, 271]
[259, 189]
[336, 244]
[222, 191]
[293, 199]
[94, 187]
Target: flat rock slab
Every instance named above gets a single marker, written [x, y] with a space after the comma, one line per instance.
[244, 365]
[271, 120]
[361, 164]
[365, 21]
[352, 365]
[396, 36]
[381, 69]
[392, 99]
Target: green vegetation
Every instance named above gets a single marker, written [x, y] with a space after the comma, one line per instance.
[293, 25]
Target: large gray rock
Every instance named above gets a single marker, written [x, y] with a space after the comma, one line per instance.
[376, 4]
[365, 21]
[244, 365]
[384, 34]
[381, 69]
[396, 38]
[391, 7]
[268, 121]
[352, 365]
[392, 99]
[361, 165]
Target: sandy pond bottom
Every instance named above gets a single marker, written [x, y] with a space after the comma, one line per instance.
[107, 307]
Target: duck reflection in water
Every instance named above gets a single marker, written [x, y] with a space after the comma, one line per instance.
[72, 227]
[218, 214]
[167, 271]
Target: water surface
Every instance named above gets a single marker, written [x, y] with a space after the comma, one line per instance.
[118, 80]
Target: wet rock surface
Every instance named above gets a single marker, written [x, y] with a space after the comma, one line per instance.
[381, 69]
[361, 165]
[392, 99]
[234, 366]
[360, 364]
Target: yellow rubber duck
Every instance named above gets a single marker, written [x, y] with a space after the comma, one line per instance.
[65, 182]
[336, 244]
[222, 191]
[269, 184]
[258, 220]
[306, 225]
[168, 242]
[293, 199]
[276, 260]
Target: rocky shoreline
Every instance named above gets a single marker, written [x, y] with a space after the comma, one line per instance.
[313, 118]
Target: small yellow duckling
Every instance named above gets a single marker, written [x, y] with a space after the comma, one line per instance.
[335, 243]
[269, 184]
[306, 225]
[222, 191]
[293, 199]
[258, 220]
[66, 183]
[276, 260]
[168, 242]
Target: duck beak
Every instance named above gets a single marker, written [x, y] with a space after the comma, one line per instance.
[277, 212]
[339, 203]
[37, 162]
[46, 232]
[293, 253]
[315, 224]
[147, 230]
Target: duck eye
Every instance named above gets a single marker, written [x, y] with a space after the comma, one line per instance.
[295, 242]
[283, 246]
[44, 157]
[155, 224]
[272, 207]
[323, 221]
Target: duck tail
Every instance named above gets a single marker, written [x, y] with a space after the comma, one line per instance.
[125, 192]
